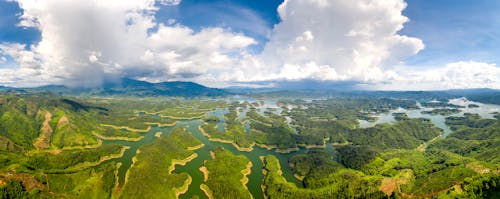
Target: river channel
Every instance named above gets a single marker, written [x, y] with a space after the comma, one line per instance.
[256, 176]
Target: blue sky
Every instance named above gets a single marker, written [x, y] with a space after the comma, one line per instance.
[254, 18]
[457, 35]
[9, 31]
[454, 30]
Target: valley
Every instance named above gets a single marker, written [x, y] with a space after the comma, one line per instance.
[293, 147]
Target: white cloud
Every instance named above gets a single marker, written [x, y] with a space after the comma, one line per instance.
[350, 40]
[170, 2]
[26, 58]
[28, 74]
[84, 42]
[456, 75]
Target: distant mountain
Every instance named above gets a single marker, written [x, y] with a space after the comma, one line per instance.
[130, 87]
[4, 88]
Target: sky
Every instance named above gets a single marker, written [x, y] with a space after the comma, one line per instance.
[348, 44]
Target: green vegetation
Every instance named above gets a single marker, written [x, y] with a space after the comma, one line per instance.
[17, 127]
[473, 137]
[482, 186]
[336, 118]
[22, 118]
[51, 161]
[98, 182]
[406, 134]
[225, 175]
[355, 156]
[71, 130]
[52, 147]
[472, 106]
[149, 176]
[400, 116]
[442, 111]
[235, 131]
[111, 132]
[211, 119]
[315, 167]
[15, 189]
[271, 130]
[345, 183]
[440, 105]
[181, 113]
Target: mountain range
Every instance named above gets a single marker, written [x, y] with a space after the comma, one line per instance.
[131, 87]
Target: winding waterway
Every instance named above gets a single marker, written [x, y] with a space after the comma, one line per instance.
[484, 110]
[126, 159]
[256, 177]
[192, 168]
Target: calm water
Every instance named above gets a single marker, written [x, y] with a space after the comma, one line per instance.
[192, 168]
[126, 159]
[484, 110]
[255, 178]
[221, 126]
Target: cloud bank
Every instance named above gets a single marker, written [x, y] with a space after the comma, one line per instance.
[88, 42]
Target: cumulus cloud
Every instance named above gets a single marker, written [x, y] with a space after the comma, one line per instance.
[86, 42]
[28, 74]
[343, 39]
[456, 75]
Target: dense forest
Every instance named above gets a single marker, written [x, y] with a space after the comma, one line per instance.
[54, 146]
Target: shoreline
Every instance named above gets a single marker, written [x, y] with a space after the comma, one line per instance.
[341, 143]
[182, 162]
[134, 160]
[117, 137]
[299, 177]
[85, 165]
[117, 180]
[246, 171]
[283, 151]
[250, 149]
[127, 128]
[207, 191]
[239, 148]
[184, 188]
[81, 147]
[313, 146]
[289, 150]
[267, 147]
[194, 148]
[183, 118]
[244, 149]
[264, 172]
[205, 172]
[160, 124]
[172, 117]
[158, 134]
